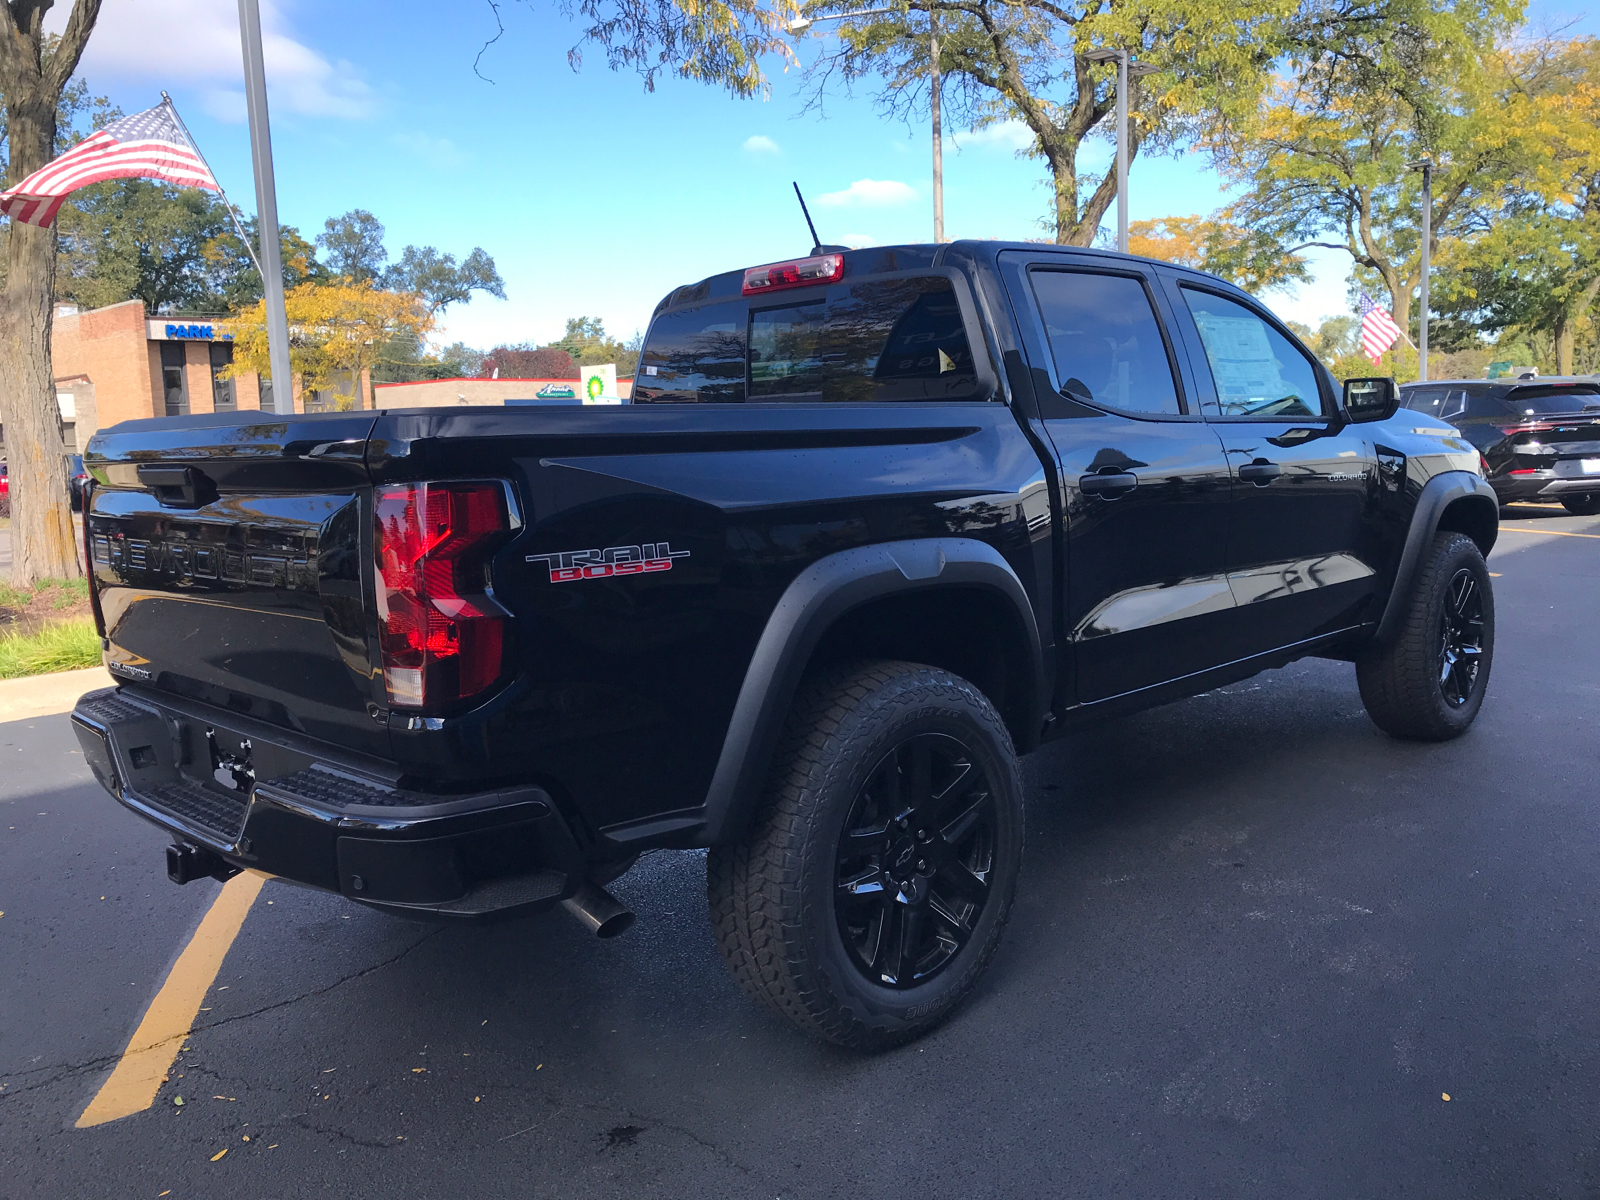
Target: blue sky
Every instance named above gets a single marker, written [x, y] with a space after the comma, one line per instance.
[594, 196]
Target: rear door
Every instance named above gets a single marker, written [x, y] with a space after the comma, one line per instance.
[228, 555]
[1143, 477]
[1309, 535]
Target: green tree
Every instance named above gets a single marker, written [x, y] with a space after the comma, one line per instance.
[1246, 257]
[174, 248]
[352, 246]
[587, 341]
[1326, 157]
[1535, 269]
[440, 280]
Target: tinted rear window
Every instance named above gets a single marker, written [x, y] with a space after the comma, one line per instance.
[694, 356]
[877, 339]
[1548, 401]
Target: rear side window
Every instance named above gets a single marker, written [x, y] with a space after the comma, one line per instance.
[877, 339]
[1443, 403]
[1425, 399]
[899, 339]
[1104, 338]
[694, 356]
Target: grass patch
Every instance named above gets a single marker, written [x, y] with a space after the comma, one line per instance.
[63, 646]
[50, 593]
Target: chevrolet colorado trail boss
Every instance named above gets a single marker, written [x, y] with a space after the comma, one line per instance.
[875, 523]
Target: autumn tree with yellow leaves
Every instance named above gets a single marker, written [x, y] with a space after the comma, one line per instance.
[1327, 158]
[1535, 269]
[335, 331]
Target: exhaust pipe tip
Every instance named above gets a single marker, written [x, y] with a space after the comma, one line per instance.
[598, 911]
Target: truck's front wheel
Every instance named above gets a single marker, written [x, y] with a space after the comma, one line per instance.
[874, 887]
[1428, 681]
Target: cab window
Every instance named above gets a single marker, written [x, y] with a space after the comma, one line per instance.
[1107, 347]
[1258, 371]
[898, 339]
[694, 356]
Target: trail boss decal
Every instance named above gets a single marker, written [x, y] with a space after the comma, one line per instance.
[570, 565]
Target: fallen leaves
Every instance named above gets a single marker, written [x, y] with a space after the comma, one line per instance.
[218, 1155]
[1444, 1095]
[178, 1100]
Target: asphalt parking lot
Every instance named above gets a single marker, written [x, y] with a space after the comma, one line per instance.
[1257, 944]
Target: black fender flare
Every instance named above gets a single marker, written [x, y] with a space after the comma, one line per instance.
[1438, 494]
[817, 597]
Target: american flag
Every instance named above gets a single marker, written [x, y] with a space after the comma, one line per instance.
[1378, 330]
[147, 145]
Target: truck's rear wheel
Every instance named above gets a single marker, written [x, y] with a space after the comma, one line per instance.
[873, 889]
[1428, 681]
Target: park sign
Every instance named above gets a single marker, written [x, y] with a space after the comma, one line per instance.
[185, 331]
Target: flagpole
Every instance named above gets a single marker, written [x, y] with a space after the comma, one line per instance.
[255, 91]
[232, 211]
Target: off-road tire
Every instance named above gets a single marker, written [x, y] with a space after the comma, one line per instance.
[772, 894]
[1400, 679]
[1585, 505]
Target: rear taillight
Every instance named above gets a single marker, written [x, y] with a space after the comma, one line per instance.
[441, 633]
[1525, 427]
[801, 272]
[1524, 471]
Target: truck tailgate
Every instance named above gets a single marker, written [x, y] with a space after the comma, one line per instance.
[227, 556]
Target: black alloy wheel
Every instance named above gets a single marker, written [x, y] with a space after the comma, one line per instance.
[1427, 679]
[914, 861]
[1460, 639]
[872, 889]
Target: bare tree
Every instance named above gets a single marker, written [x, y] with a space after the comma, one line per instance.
[34, 71]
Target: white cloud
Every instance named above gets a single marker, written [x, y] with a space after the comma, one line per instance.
[857, 240]
[432, 151]
[175, 42]
[1008, 135]
[760, 144]
[870, 193]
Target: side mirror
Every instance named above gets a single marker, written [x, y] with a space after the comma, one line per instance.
[1370, 399]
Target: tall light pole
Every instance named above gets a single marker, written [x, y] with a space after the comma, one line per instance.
[1126, 69]
[1425, 165]
[801, 24]
[255, 94]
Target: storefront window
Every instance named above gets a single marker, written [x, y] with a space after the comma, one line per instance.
[172, 382]
[223, 398]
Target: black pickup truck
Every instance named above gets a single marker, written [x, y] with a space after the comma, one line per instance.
[875, 523]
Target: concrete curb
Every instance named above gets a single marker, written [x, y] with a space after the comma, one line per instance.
[42, 695]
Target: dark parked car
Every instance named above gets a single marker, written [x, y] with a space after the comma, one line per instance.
[77, 477]
[877, 522]
[1540, 438]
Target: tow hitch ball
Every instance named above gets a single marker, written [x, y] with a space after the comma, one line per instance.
[186, 863]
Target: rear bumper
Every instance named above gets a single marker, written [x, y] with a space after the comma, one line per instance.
[491, 854]
[1543, 485]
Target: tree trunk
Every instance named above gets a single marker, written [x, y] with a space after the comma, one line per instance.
[43, 545]
[1566, 323]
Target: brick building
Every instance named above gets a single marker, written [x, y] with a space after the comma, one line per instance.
[118, 364]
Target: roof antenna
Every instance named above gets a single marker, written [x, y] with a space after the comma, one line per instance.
[816, 242]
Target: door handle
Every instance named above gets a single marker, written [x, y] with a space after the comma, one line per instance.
[1261, 472]
[1109, 486]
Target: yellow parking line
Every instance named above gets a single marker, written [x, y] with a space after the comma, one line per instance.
[154, 1046]
[1551, 532]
